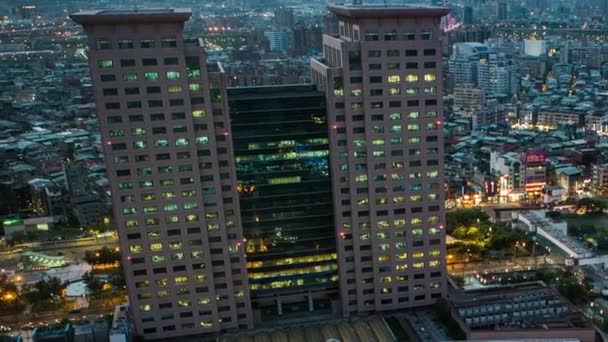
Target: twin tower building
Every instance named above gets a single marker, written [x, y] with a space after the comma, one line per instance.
[241, 206]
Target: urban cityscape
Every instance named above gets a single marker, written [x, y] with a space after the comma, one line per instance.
[288, 170]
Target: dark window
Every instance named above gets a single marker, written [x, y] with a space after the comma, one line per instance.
[131, 91]
[430, 65]
[155, 103]
[171, 61]
[153, 90]
[157, 117]
[125, 44]
[411, 53]
[149, 61]
[134, 104]
[108, 78]
[147, 44]
[112, 105]
[127, 62]
[411, 65]
[176, 102]
[168, 42]
[110, 91]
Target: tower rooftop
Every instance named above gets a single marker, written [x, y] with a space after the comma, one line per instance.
[136, 15]
[390, 11]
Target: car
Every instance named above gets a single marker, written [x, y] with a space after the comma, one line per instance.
[75, 311]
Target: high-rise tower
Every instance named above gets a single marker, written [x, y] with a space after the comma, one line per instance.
[163, 117]
[382, 80]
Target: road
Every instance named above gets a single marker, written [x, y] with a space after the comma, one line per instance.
[504, 265]
[73, 250]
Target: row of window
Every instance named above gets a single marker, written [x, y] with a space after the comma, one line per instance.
[132, 223]
[356, 105]
[124, 43]
[409, 91]
[425, 34]
[171, 89]
[114, 119]
[131, 62]
[178, 102]
[397, 53]
[147, 76]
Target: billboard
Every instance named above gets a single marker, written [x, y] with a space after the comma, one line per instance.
[535, 157]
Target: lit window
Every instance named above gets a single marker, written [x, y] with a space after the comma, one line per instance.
[430, 77]
[198, 113]
[129, 211]
[156, 246]
[194, 87]
[173, 75]
[394, 79]
[432, 174]
[430, 90]
[413, 127]
[181, 280]
[416, 221]
[138, 131]
[356, 92]
[394, 91]
[411, 78]
[174, 89]
[131, 76]
[411, 91]
[431, 114]
[136, 248]
[395, 116]
[418, 255]
[170, 207]
[181, 142]
[104, 63]
[117, 132]
[151, 76]
[145, 307]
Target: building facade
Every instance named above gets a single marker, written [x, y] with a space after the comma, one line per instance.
[382, 80]
[282, 165]
[166, 134]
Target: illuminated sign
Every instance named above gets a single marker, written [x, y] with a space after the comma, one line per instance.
[12, 222]
[535, 157]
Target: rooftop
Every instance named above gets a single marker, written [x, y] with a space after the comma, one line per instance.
[136, 15]
[392, 11]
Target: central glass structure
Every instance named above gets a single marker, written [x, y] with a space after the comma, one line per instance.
[281, 151]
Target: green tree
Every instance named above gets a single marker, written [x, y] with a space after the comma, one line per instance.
[93, 283]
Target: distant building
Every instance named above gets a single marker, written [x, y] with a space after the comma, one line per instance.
[467, 99]
[87, 331]
[467, 17]
[280, 41]
[535, 48]
[59, 333]
[599, 180]
[284, 17]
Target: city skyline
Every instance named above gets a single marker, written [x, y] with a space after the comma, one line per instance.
[249, 170]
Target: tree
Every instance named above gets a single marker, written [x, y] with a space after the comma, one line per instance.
[92, 283]
[464, 217]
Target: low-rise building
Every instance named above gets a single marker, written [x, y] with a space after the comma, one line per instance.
[519, 312]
